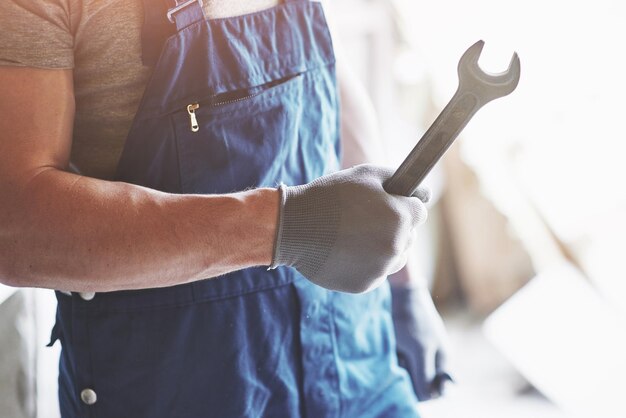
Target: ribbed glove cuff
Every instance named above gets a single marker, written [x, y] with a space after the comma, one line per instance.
[308, 225]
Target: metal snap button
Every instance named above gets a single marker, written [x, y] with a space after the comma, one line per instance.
[87, 295]
[88, 396]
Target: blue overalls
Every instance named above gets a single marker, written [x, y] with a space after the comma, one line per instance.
[235, 103]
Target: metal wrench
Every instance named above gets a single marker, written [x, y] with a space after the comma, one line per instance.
[476, 88]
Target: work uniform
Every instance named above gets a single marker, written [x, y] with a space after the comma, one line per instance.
[233, 103]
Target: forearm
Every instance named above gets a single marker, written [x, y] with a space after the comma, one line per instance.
[68, 232]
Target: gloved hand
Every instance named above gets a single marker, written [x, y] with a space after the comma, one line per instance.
[343, 232]
[420, 339]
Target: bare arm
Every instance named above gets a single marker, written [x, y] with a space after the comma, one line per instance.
[63, 231]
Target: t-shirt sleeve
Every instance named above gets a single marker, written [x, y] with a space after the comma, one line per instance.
[36, 33]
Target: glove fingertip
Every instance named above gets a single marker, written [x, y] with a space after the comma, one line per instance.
[420, 213]
[423, 193]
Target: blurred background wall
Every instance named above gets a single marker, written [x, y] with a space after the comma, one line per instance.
[524, 248]
[525, 244]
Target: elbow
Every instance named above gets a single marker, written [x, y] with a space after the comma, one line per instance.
[15, 254]
[15, 269]
[13, 278]
[8, 271]
[8, 275]
[12, 272]
[10, 283]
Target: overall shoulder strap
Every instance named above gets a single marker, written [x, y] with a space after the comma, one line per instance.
[185, 13]
[162, 18]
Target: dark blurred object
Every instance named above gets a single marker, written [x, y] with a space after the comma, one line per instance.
[421, 340]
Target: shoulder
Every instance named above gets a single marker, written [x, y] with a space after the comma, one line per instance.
[36, 33]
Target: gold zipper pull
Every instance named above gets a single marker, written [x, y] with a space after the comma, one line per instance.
[191, 109]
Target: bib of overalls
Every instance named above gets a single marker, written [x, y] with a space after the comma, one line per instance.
[235, 103]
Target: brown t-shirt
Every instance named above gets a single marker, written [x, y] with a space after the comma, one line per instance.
[101, 41]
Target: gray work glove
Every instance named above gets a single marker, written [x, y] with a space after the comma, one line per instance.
[421, 340]
[343, 232]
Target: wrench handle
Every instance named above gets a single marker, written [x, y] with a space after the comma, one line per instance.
[433, 144]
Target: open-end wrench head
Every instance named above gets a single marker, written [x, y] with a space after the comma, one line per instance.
[476, 88]
[487, 86]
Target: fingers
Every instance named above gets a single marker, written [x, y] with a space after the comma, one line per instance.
[380, 173]
[423, 193]
[418, 207]
[400, 263]
[418, 211]
[404, 258]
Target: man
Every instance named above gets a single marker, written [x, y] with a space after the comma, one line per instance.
[181, 186]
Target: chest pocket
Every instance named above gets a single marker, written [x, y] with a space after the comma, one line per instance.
[281, 131]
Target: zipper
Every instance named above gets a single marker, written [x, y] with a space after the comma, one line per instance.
[240, 99]
[191, 109]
